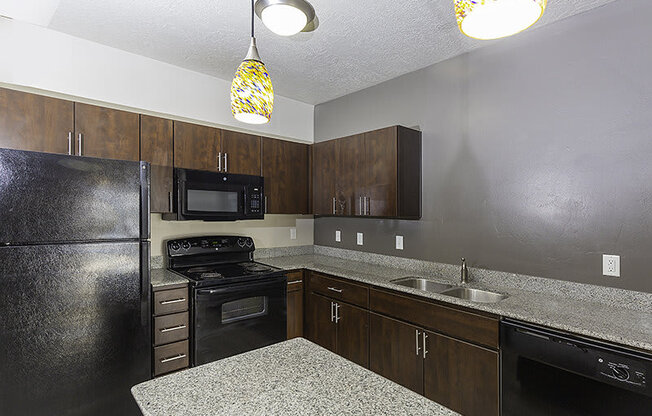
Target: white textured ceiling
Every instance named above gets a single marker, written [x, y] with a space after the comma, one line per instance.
[358, 43]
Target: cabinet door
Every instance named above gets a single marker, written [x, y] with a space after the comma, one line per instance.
[156, 147]
[324, 161]
[106, 133]
[461, 376]
[353, 333]
[295, 304]
[320, 326]
[286, 172]
[395, 351]
[196, 147]
[381, 168]
[34, 122]
[241, 153]
[350, 175]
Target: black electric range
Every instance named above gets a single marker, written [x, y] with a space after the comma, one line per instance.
[237, 304]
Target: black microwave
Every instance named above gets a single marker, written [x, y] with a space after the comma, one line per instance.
[212, 196]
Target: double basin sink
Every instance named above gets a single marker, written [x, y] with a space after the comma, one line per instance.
[473, 295]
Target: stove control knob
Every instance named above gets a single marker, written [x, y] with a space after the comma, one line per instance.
[620, 373]
[250, 242]
[241, 242]
[175, 246]
[185, 245]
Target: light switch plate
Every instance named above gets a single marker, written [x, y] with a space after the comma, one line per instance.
[399, 242]
[338, 236]
[360, 239]
[610, 265]
[293, 233]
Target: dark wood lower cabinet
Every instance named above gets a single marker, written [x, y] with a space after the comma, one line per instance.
[320, 327]
[295, 304]
[393, 351]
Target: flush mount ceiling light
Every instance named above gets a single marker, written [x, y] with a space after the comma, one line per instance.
[493, 19]
[287, 17]
[252, 94]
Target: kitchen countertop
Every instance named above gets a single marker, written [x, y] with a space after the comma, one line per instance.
[605, 321]
[163, 278]
[295, 377]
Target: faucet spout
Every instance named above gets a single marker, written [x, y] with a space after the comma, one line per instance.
[464, 275]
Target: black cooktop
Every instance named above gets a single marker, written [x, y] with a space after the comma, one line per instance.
[228, 272]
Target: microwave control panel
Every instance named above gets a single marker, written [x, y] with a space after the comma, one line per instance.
[255, 200]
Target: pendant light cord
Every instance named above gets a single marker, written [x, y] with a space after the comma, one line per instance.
[252, 18]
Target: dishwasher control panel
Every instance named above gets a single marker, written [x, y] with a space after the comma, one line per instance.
[621, 371]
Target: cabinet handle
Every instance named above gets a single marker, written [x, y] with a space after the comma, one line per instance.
[176, 357]
[425, 350]
[226, 162]
[168, 302]
[170, 201]
[360, 205]
[70, 143]
[337, 312]
[265, 204]
[332, 311]
[294, 282]
[79, 140]
[367, 205]
[334, 208]
[416, 338]
[172, 328]
[335, 289]
[219, 162]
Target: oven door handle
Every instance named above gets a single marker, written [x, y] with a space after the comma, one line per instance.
[247, 286]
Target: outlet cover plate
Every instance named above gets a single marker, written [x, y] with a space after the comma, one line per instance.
[610, 265]
[338, 236]
[293, 233]
[360, 239]
[399, 242]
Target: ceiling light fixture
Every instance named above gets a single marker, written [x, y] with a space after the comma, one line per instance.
[493, 19]
[287, 17]
[252, 94]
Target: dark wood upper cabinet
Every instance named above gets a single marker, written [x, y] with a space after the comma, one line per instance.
[324, 165]
[350, 175]
[34, 122]
[286, 172]
[106, 133]
[461, 376]
[156, 147]
[394, 351]
[241, 153]
[374, 174]
[197, 147]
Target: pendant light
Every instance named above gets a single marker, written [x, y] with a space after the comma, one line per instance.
[252, 94]
[287, 17]
[493, 19]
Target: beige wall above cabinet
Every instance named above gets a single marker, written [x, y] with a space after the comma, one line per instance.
[106, 133]
[286, 169]
[373, 174]
[34, 122]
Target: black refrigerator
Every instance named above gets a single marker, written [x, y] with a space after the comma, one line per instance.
[74, 284]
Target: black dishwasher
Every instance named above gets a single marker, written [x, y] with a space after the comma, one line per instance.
[547, 372]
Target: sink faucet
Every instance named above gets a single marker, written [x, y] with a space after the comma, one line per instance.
[464, 276]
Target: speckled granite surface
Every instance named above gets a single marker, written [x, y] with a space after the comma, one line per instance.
[599, 315]
[294, 377]
[164, 277]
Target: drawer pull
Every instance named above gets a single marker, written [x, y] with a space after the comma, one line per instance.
[295, 281]
[172, 328]
[176, 357]
[168, 302]
[335, 290]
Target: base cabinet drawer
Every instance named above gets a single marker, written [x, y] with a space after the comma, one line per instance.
[171, 357]
[170, 328]
[345, 291]
[171, 301]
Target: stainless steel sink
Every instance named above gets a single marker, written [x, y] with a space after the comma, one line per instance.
[422, 284]
[474, 295]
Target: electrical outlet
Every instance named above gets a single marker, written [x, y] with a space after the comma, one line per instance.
[338, 236]
[293, 233]
[399, 242]
[611, 265]
[360, 239]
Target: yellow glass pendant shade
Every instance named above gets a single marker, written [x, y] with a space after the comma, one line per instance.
[252, 94]
[493, 19]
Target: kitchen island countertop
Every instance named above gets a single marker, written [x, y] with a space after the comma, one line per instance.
[294, 377]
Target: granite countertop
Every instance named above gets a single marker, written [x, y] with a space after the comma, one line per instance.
[607, 320]
[295, 377]
[163, 277]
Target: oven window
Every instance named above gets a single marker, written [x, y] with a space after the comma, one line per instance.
[246, 308]
[212, 201]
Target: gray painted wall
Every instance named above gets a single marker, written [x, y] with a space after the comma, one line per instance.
[537, 152]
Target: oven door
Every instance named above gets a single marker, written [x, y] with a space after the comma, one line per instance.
[233, 319]
[211, 201]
